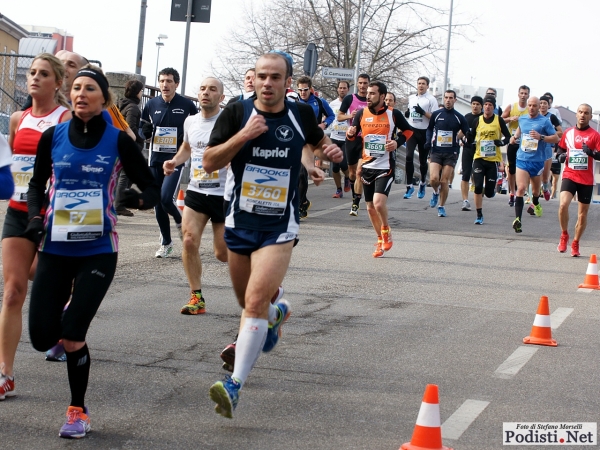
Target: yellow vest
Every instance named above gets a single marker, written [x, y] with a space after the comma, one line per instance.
[514, 111]
[484, 140]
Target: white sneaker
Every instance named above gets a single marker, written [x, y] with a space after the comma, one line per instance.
[164, 251]
[466, 205]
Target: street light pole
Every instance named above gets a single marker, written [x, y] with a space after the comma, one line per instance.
[159, 44]
[360, 27]
[448, 47]
[140, 47]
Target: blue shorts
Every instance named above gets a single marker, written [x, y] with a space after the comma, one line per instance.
[246, 242]
[533, 168]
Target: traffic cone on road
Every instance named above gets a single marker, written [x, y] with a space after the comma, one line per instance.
[180, 201]
[428, 431]
[541, 333]
[591, 275]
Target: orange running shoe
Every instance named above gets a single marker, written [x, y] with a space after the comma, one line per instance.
[386, 235]
[195, 305]
[378, 253]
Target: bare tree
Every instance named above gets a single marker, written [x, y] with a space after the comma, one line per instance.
[400, 39]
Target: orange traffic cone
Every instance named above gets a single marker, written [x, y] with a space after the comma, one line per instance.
[591, 275]
[180, 201]
[541, 333]
[428, 431]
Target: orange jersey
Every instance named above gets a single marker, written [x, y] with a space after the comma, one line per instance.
[118, 120]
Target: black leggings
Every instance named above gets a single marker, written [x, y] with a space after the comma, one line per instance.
[467, 162]
[303, 185]
[416, 140]
[335, 167]
[88, 276]
[511, 157]
[485, 171]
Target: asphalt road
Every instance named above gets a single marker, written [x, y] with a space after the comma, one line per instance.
[449, 305]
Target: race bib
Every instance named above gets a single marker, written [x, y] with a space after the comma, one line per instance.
[201, 179]
[78, 215]
[374, 145]
[487, 149]
[445, 138]
[528, 144]
[416, 117]
[165, 140]
[339, 127]
[264, 190]
[578, 160]
[22, 170]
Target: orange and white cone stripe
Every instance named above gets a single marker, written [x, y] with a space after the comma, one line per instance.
[541, 331]
[427, 433]
[591, 275]
[180, 200]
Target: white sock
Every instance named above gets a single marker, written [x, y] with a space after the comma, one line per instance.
[273, 314]
[421, 183]
[250, 343]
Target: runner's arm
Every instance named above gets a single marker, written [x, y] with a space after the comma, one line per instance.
[344, 107]
[138, 172]
[42, 170]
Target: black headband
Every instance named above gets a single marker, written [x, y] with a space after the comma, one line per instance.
[98, 77]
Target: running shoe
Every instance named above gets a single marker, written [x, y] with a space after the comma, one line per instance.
[421, 193]
[274, 331]
[410, 190]
[57, 353]
[124, 212]
[528, 200]
[347, 185]
[479, 220]
[531, 210]
[517, 225]
[77, 424]
[277, 295]
[228, 354]
[378, 253]
[164, 251]
[226, 395]
[575, 248]
[304, 209]
[434, 200]
[7, 386]
[564, 241]
[386, 236]
[538, 210]
[466, 205]
[354, 210]
[227, 367]
[511, 200]
[441, 211]
[195, 305]
[546, 195]
[338, 193]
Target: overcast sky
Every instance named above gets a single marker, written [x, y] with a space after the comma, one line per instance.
[546, 45]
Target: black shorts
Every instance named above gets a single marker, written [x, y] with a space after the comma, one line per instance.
[380, 182]
[15, 223]
[555, 167]
[444, 158]
[210, 205]
[584, 191]
[353, 151]
[343, 165]
[485, 172]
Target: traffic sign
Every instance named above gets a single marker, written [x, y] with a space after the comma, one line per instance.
[335, 72]
[200, 11]
[310, 60]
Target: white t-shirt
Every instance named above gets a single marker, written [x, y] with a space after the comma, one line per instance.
[196, 132]
[425, 101]
[338, 129]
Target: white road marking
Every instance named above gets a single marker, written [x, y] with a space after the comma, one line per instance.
[464, 416]
[511, 366]
[558, 316]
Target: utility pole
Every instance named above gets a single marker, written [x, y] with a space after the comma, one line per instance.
[448, 48]
[140, 46]
[188, 21]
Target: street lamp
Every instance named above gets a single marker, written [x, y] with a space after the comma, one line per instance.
[158, 46]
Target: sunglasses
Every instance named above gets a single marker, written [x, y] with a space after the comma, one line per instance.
[303, 89]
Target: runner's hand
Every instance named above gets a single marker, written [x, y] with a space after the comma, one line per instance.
[351, 131]
[407, 113]
[419, 110]
[35, 230]
[316, 174]
[588, 151]
[333, 153]
[169, 167]
[499, 143]
[390, 146]
[255, 126]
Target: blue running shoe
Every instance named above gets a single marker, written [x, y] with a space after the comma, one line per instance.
[77, 424]
[441, 211]
[57, 353]
[434, 200]
[274, 331]
[226, 395]
[479, 221]
[421, 193]
[410, 190]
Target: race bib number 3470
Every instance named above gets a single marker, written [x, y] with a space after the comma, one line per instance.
[264, 190]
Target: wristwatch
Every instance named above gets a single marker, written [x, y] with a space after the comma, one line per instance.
[542, 137]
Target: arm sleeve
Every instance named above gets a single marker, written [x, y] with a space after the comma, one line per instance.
[42, 170]
[401, 123]
[329, 112]
[473, 130]
[429, 133]
[345, 106]
[464, 126]
[137, 170]
[554, 120]
[504, 130]
[313, 134]
[357, 140]
[228, 124]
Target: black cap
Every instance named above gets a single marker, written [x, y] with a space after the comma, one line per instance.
[491, 100]
[546, 98]
[478, 99]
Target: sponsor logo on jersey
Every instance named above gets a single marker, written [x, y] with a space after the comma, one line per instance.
[64, 162]
[91, 169]
[178, 111]
[268, 172]
[284, 133]
[28, 159]
[102, 159]
[274, 153]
